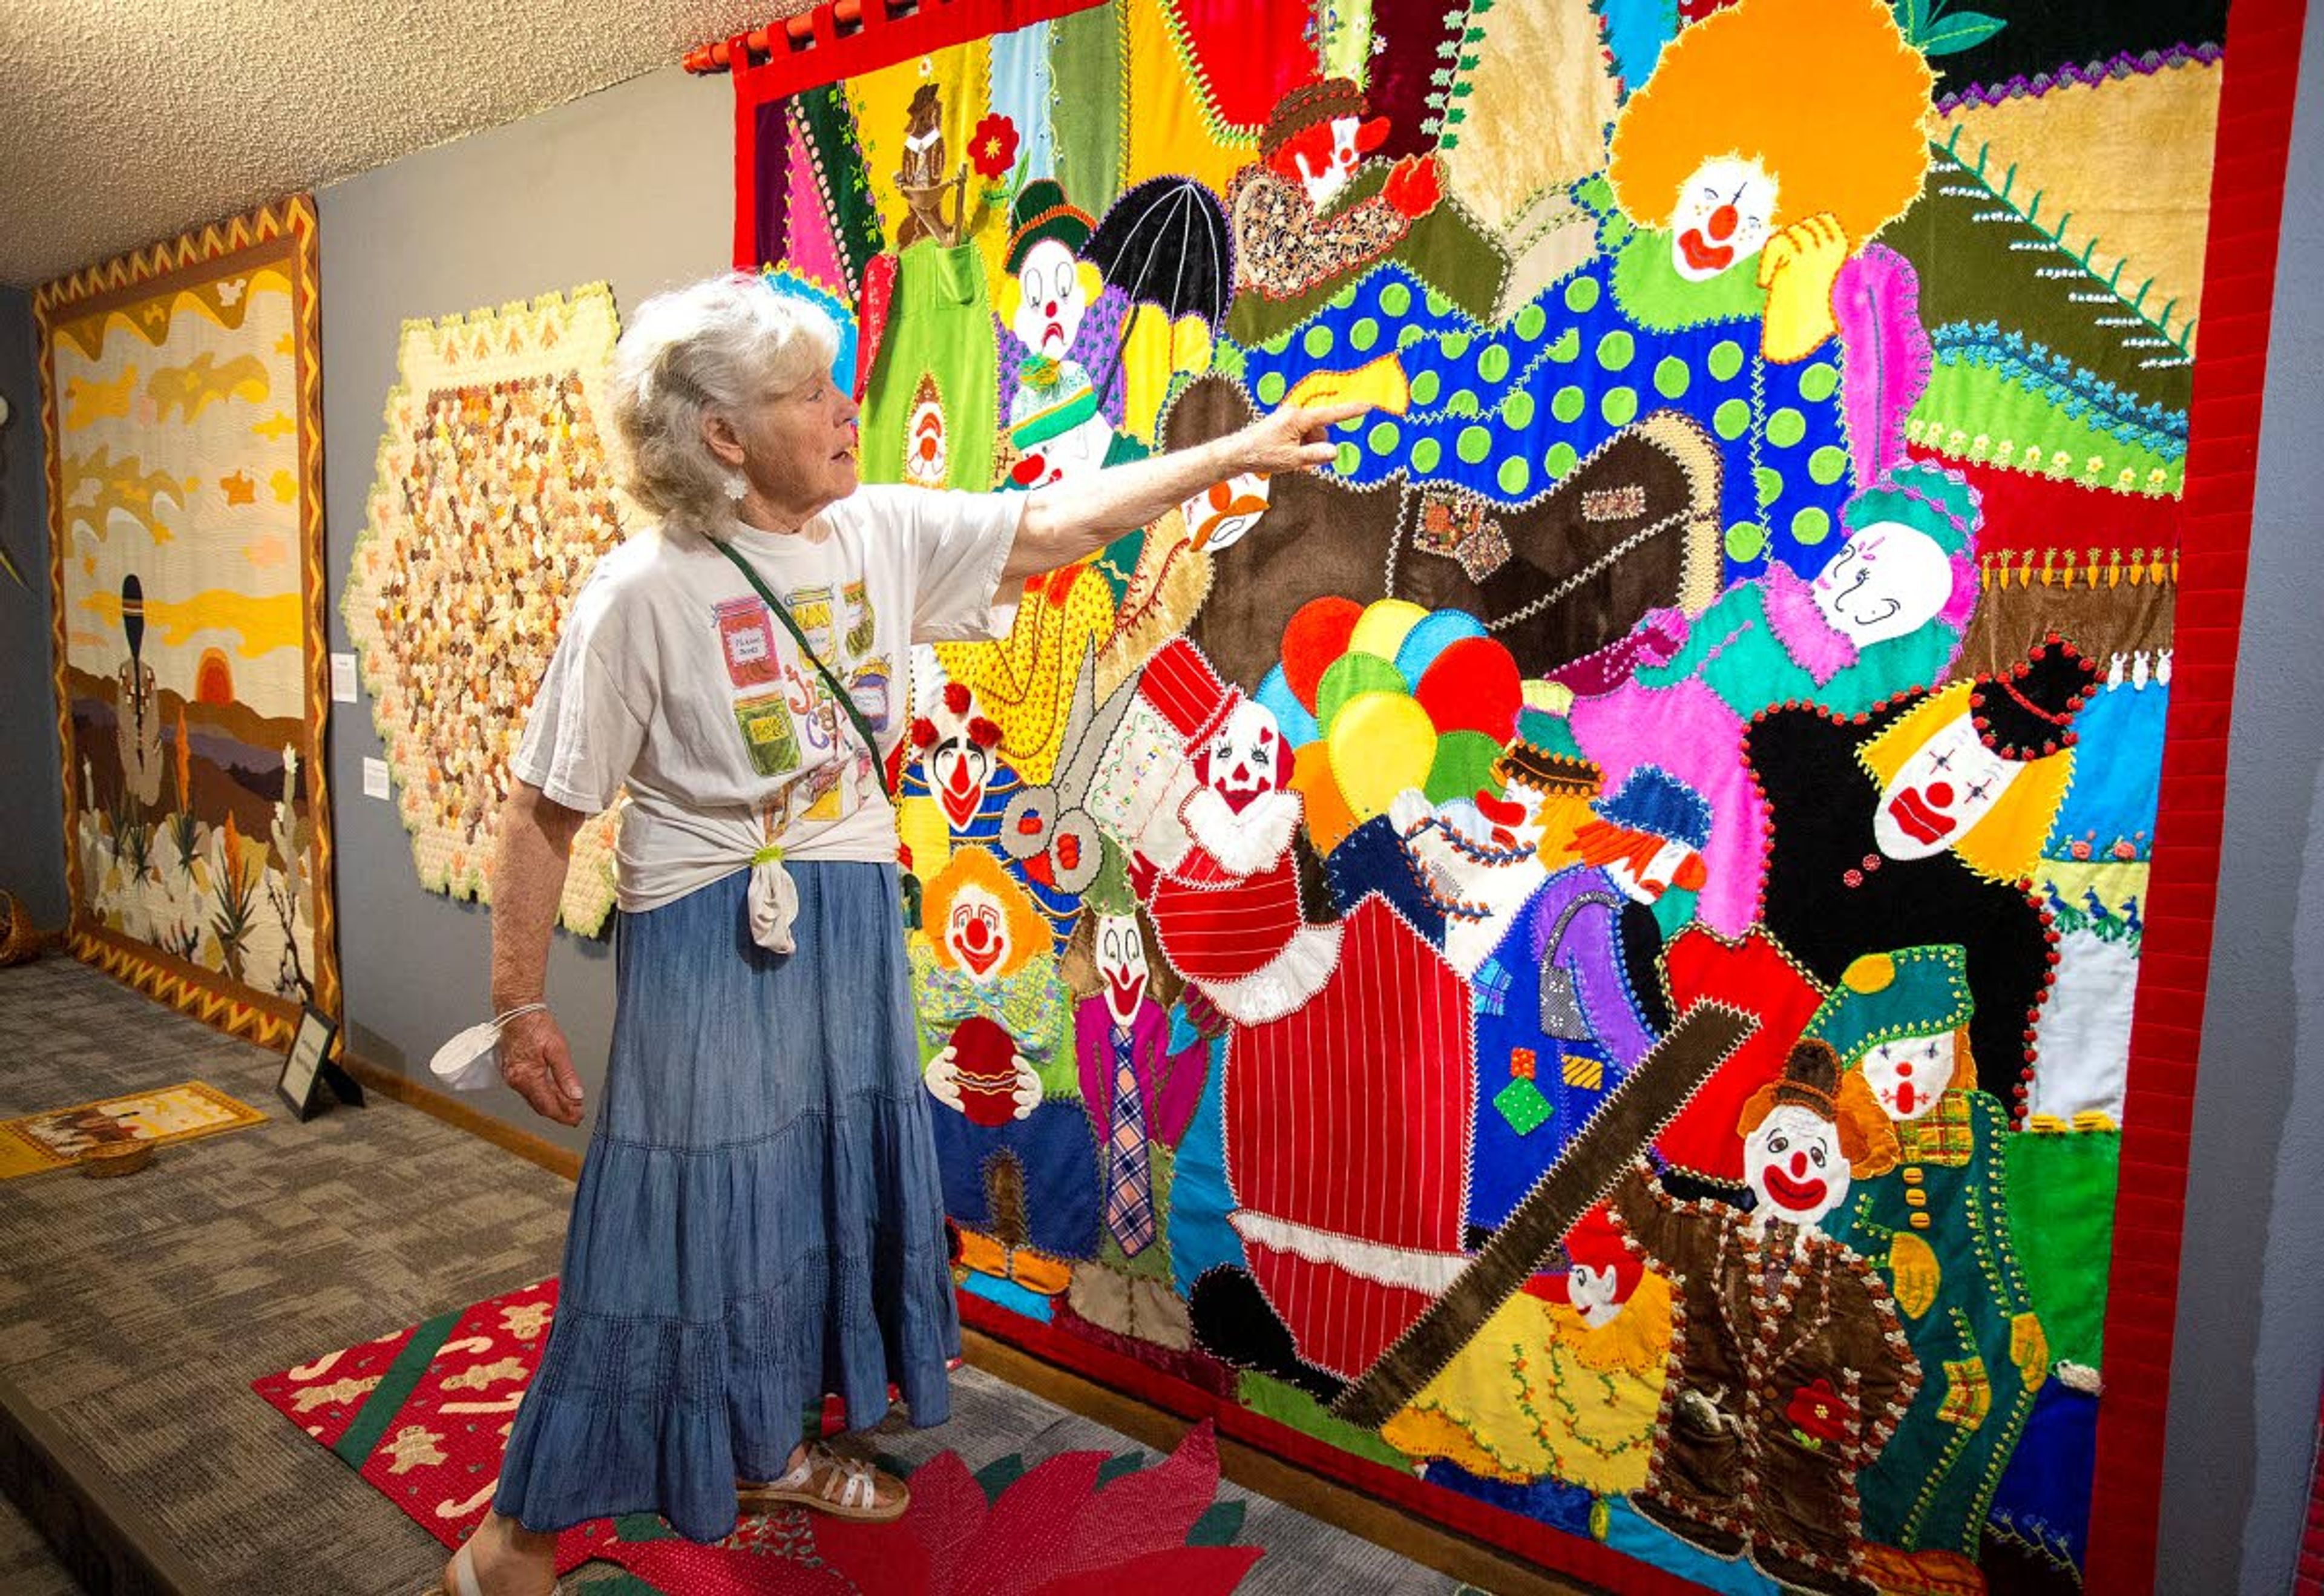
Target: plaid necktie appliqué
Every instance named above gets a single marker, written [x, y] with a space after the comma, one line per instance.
[1128, 1186]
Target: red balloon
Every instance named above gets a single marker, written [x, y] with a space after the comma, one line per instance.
[1473, 686]
[1316, 634]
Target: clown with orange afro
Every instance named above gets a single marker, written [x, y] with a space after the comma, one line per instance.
[1774, 140]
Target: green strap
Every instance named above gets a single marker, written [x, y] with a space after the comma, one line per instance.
[846, 699]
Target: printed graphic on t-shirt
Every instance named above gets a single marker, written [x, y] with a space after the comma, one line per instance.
[788, 717]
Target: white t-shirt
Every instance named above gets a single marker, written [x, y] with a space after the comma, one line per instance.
[674, 679]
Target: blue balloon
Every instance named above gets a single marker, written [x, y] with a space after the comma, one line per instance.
[1291, 717]
[1432, 636]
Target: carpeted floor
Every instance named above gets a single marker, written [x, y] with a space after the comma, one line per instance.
[136, 1312]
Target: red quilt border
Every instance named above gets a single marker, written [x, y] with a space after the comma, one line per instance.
[2261, 76]
[2259, 83]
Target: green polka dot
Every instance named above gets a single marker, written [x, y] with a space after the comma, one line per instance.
[1825, 466]
[1425, 454]
[1364, 334]
[1615, 349]
[1768, 482]
[1566, 404]
[1347, 458]
[1726, 359]
[1438, 305]
[1270, 388]
[1425, 388]
[1819, 382]
[1344, 298]
[1514, 475]
[1786, 427]
[1493, 365]
[1277, 344]
[1516, 411]
[1318, 341]
[1568, 346]
[1581, 294]
[1745, 541]
[1620, 406]
[1465, 403]
[1395, 299]
[1811, 525]
[1454, 345]
[1383, 438]
[1532, 322]
[1671, 377]
[1409, 334]
[1730, 419]
[1560, 460]
[1473, 444]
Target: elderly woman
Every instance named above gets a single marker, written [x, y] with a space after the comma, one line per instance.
[759, 1219]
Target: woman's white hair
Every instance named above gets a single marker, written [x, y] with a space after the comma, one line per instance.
[711, 349]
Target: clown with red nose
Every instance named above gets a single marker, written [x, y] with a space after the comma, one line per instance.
[1228, 912]
[1938, 1224]
[1790, 1370]
[1292, 232]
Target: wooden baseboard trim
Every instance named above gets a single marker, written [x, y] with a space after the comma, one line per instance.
[403, 1089]
[103, 1537]
[1430, 1545]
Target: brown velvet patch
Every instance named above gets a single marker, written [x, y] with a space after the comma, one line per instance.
[1633, 528]
[2103, 604]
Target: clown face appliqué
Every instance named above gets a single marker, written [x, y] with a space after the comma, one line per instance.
[1721, 217]
[977, 932]
[1909, 1073]
[1795, 1166]
[1887, 580]
[1246, 758]
[1946, 786]
[1050, 303]
[1220, 514]
[1121, 964]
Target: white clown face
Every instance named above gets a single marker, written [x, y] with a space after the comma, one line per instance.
[1947, 786]
[958, 770]
[1722, 217]
[1122, 962]
[978, 932]
[1050, 304]
[1324, 173]
[1795, 1166]
[1244, 754]
[1591, 1292]
[1225, 511]
[1909, 1073]
[1887, 580]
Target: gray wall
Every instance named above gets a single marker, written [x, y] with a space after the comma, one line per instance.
[633, 187]
[2250, 1340]
[31, 803]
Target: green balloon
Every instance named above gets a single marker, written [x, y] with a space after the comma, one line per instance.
[1348, 676]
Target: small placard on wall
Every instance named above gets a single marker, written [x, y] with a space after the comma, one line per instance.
[374, 778]
[343, 678]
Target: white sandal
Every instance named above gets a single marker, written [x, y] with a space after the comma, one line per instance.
[850, 1489]
[464, 1578]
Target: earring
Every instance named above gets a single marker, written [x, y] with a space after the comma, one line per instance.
[738, 487]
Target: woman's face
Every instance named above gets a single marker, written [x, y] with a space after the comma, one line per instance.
[796, 447]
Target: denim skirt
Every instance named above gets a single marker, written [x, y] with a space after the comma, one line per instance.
[760, 1218]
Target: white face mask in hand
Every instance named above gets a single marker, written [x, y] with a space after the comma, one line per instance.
[471, 1061]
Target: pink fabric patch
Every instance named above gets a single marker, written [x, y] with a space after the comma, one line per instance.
[1806, 636]
[1689, 732]
[810, 247]
[1885, 355]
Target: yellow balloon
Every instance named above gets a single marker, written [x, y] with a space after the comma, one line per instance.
[1380, 628]
[1380, 744]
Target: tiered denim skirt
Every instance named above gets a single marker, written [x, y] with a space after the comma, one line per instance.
[759, 1221]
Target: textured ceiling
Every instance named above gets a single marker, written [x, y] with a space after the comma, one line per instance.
[123, 122]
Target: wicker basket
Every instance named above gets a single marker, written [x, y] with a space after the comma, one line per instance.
[19, 941]
[109, 1158]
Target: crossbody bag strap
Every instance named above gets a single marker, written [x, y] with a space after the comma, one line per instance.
[846, 699]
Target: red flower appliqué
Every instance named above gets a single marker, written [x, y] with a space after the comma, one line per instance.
[992, 149]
